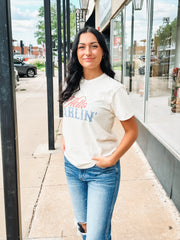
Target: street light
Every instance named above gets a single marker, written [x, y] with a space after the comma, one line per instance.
[81, 24]
[84, 6]
[138, 4]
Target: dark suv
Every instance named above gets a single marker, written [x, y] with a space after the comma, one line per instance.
[25, 68]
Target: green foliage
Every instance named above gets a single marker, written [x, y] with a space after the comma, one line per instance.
[40, 33]
[166, 34]
[39, 64]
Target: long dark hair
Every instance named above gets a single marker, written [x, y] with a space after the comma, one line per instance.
[75, 70]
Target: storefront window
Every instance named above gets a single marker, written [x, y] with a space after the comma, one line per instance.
[116, 46]
[127, 46]
[135, 49]
[164, 82]
[161, 113]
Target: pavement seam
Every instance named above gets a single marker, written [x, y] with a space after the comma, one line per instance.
[41, 186]
[37, 200]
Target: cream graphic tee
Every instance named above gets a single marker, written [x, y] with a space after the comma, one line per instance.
[88, 118]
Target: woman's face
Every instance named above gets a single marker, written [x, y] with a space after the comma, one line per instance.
[89, 52]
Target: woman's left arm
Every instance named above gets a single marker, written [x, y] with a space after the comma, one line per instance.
[130, 135]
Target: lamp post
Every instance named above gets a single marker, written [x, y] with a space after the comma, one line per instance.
[138, 4]
[84, 6]
[77, 20]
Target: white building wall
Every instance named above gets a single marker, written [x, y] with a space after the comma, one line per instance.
[115, 6]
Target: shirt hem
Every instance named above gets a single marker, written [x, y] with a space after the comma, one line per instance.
[85, 165]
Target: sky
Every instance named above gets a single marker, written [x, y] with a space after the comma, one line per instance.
[162, 8]
[24, 15]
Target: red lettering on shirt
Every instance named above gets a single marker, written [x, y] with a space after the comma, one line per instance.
[76, 102]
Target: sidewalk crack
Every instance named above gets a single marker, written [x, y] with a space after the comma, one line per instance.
[38, 197]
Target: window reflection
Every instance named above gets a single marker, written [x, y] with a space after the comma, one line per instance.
[163, 49]
[129, 41]
[138, 42]
[117, 41]
[129, 62]
[164, 104]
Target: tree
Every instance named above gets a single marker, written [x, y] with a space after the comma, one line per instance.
[165, 34]
[40, 33]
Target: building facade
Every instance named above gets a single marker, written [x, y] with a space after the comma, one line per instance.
[144, 43]
[33, 52]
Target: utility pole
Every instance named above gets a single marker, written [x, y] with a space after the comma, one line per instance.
[8, 122]
[22, 46]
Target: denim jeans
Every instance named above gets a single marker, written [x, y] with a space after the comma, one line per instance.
[93, 193]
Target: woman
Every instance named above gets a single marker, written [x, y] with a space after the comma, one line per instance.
[92, 99]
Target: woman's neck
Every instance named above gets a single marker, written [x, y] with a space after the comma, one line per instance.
[91, 74]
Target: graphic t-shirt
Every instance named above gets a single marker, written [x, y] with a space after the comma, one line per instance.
[89, 117]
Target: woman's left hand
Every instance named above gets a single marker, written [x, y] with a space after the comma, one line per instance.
[104, 162]
[131, 133]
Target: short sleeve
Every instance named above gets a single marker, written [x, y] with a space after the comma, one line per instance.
[121, 104]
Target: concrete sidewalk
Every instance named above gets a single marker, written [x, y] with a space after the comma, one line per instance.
[142, 212]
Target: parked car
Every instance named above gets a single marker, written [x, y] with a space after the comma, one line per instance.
[24, 68]
[19, 56]
[141, 70]
[153, 58]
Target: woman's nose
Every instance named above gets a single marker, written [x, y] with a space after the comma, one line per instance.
[88, 51]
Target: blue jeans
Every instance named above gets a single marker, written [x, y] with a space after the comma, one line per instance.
[93, 193]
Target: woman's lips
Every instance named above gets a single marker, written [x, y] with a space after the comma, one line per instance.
[88, 59]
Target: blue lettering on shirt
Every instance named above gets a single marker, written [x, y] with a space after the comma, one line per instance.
[79, 114]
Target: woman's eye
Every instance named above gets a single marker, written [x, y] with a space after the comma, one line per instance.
[94, 46]
[81, 47]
